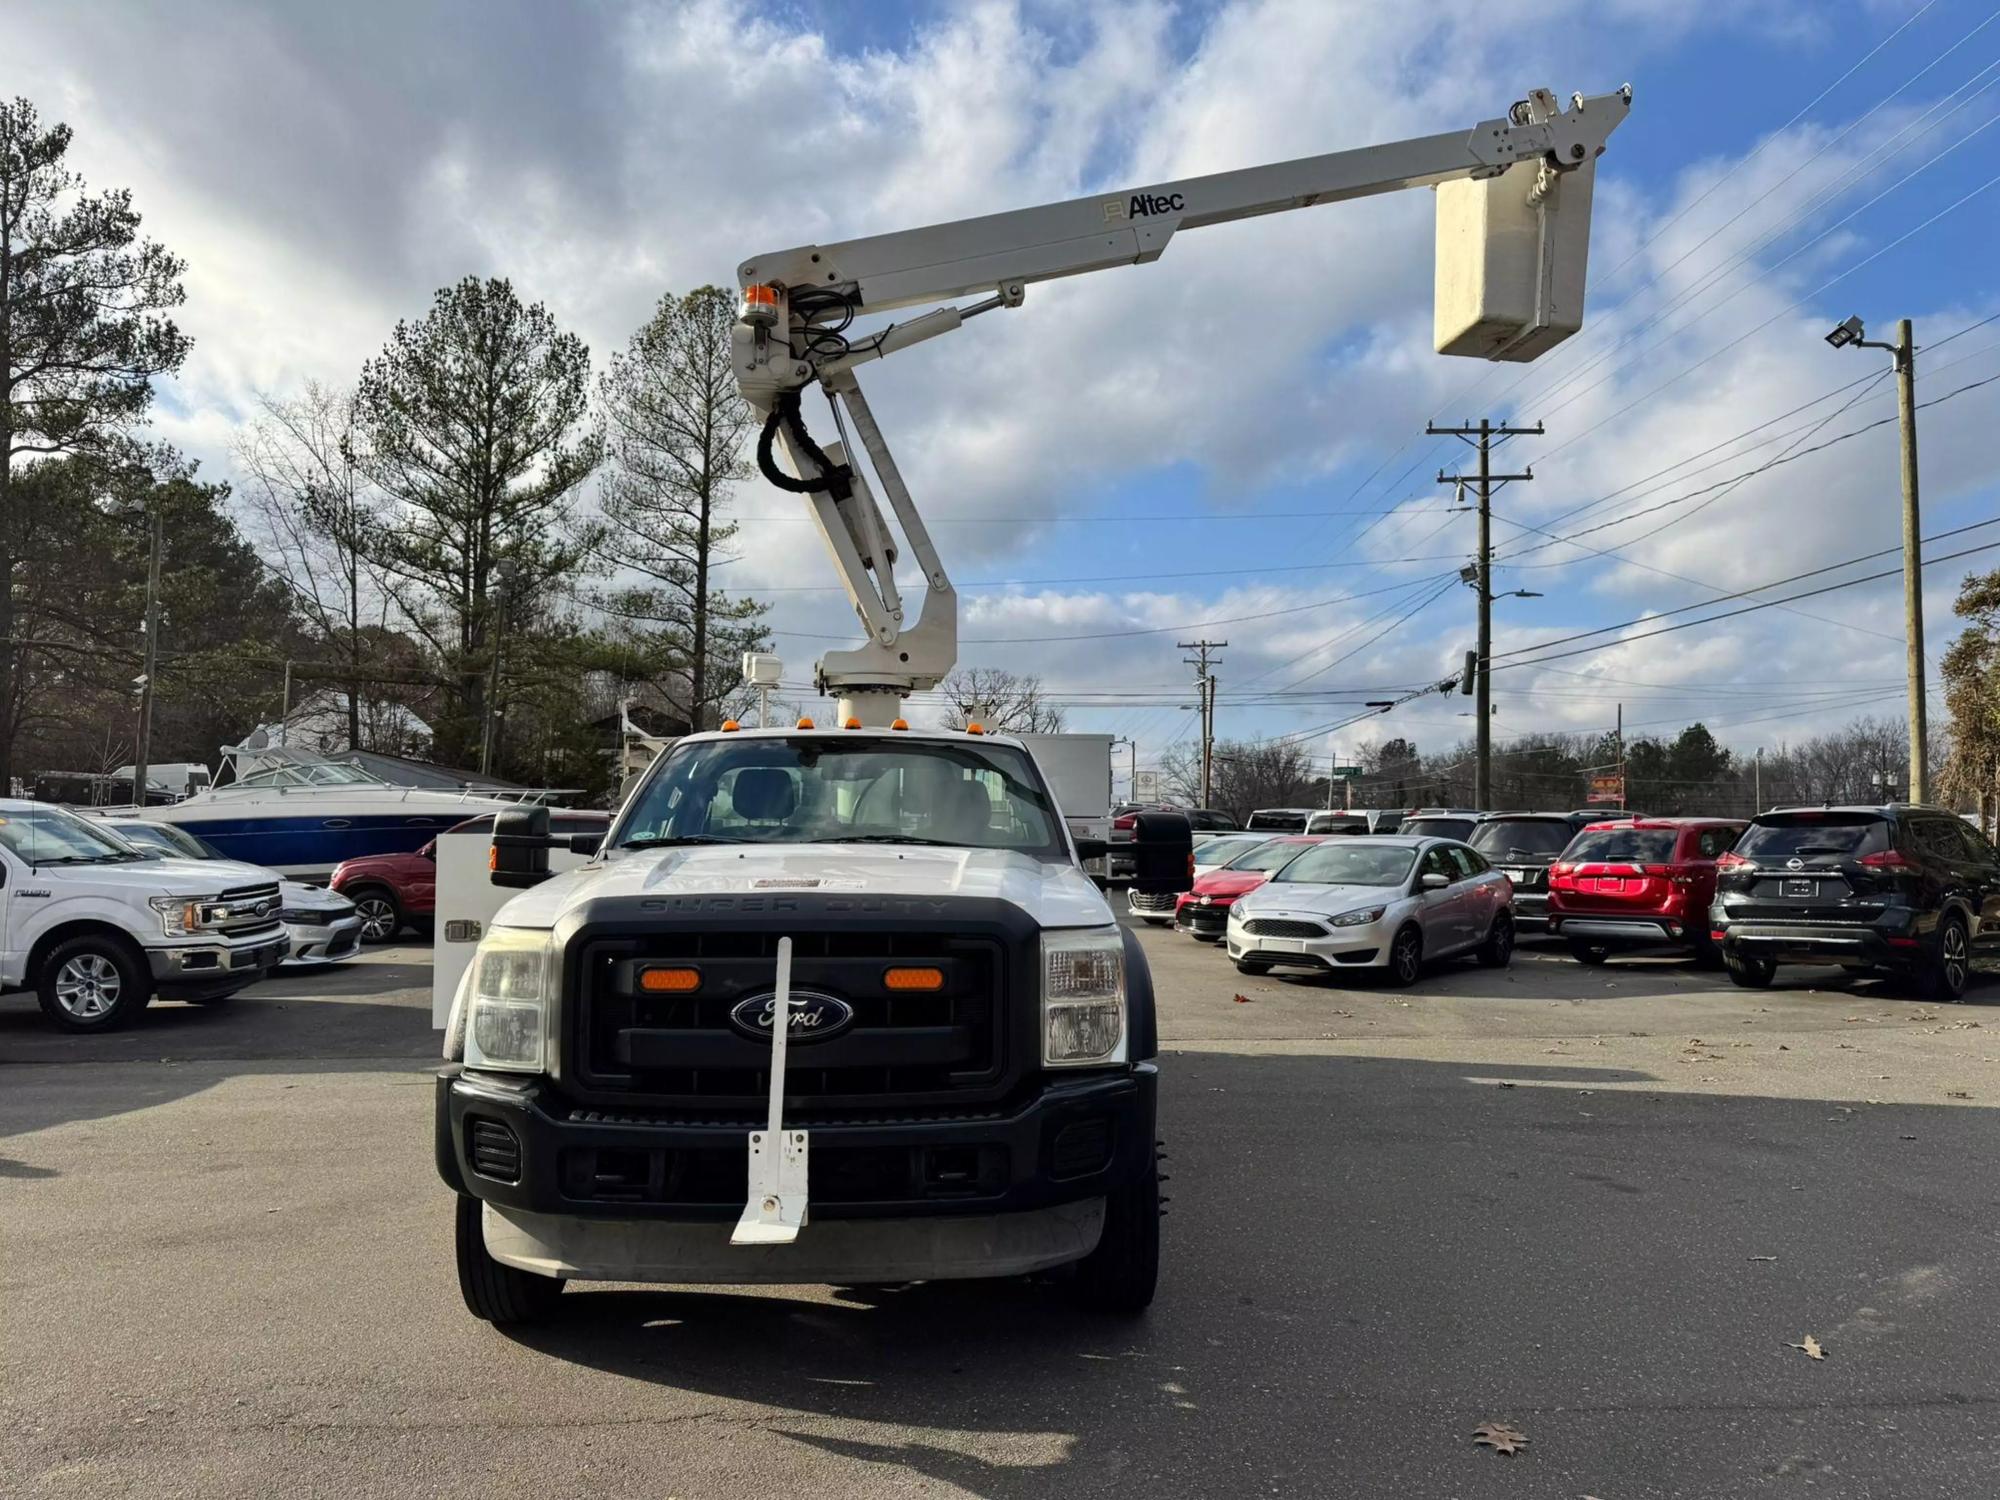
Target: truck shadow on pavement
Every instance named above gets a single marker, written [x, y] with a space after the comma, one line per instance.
[1369, 1256]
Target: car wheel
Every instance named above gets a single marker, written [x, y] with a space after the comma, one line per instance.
[1588, 953]
[93, 983]
[1120, 1274]
[1252, 966]
[381, 917]
[1498, 949]
[1751, 973]
[1406, 957]
[497, 1292]
[1950, 969]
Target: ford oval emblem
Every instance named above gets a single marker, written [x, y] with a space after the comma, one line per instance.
[814, 1016]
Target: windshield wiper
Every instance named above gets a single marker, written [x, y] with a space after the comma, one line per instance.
[669, 840]
[883, 838]
[82, 859]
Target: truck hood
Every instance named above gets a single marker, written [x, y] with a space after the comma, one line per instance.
[1052, 894]
[152, 877]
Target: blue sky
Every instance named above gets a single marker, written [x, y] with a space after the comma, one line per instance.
[1265, 384]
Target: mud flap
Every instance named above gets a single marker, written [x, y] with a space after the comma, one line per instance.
[776, 1209]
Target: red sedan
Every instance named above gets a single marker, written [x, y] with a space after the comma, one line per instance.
[1203, 911]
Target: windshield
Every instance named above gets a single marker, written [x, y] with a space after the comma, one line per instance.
[813, 790]
[1623, 846]
[1816, 833]
[160, 838]
[1344, 863]
[1438, 828]
[1266, 857]
[1222, 851]
[49, 836]
[1521, 836]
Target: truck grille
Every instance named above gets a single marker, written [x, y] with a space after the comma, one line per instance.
[683, 1052]
[257, 908]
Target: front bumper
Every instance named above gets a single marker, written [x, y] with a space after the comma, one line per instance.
[1362, 947]
[324, 942]
[1076, 1139]
[1158, 907]
[217, 960]
[1206, 922]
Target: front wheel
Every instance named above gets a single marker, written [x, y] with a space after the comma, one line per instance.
[497, 1292]
[1751, 973]
[1498, 949]
[1406, 957]
[93, 983]
[1119, 1276]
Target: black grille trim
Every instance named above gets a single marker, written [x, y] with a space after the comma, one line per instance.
[494, 1150]
[1281, 927]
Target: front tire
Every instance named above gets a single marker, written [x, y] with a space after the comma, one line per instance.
[95, 982]
[501, 1294]
[1498, 949]
[1406, 958]
[1120, 1275]
[381, 915]
[1751, 973]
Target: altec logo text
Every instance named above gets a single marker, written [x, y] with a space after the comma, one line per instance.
[1144, 205]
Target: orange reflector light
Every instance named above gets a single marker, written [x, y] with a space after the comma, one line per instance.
[975, 729]
[900, 724]
[913, 979]
[730, 726]
[669, 981]
[492, 858]
[758, 294]
[852, 724]
[805, 723]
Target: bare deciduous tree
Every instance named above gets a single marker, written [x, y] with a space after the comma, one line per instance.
[999, 700]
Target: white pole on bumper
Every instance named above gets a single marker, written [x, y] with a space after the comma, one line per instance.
[776, 1210]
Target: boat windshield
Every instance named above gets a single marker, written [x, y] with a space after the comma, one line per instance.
[280, 767]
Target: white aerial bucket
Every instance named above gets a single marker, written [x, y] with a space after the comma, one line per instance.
[1511, 254]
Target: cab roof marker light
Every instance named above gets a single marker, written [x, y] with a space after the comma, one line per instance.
[900, 724]
[730, 726]
[851, 724]
[975, 728]
[805, 723]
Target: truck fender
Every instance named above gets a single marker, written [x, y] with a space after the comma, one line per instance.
[38, 925]
[1145, 1041]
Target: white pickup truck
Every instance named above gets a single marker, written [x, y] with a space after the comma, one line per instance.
[963, 1085]
[97, 928]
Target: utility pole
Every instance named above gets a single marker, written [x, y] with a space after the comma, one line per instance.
[1904, 354]
[142, 753]
[1757, 782]
[1204, 681]
[1485, 437]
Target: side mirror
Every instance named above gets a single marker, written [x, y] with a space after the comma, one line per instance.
[586, 844]
[1162, 854]
[520, 853]
[1433, 881]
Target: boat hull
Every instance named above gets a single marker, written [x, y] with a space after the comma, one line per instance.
[303, 844]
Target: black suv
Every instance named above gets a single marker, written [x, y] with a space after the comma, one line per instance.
[1913, 890]
[1522, 846]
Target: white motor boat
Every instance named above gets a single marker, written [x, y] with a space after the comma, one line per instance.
[300, 813]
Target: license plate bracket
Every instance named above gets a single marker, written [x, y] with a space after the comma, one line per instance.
[1805, 888]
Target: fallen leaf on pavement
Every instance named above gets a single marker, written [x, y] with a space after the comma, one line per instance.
[1810, 1348]
[1957, 1094]
[1242, 999]
[1763, 1257]
[1506, 1085]
[1499, 1437]
[1907, 1138]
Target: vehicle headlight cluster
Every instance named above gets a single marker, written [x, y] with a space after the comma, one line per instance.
[1083, 997]
[180, 916]
[501, 1016]
[1359, 918]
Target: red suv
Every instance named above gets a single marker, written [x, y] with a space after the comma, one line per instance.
[1204, 910]
[1639, 881]
[389, 891]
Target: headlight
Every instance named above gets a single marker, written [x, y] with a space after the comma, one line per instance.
[178, 915]
[1360, 918]
[508, 1002]
[1083, 997]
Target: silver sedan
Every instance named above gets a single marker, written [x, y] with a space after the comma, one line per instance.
[1387, 903]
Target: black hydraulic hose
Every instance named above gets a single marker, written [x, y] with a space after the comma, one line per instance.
[837, 479]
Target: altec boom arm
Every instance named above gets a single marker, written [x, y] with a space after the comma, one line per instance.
[798, 305]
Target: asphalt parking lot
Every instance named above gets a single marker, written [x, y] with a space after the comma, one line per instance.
[1600, 1205]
